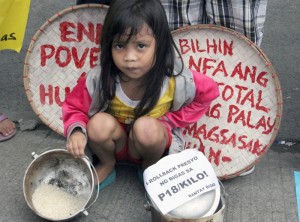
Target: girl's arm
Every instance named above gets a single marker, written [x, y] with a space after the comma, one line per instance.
[206, 91]
[75, 108]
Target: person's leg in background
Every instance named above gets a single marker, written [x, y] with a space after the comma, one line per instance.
[246, 17]
[181, 13]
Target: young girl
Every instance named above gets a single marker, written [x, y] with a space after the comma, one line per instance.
[137, 106]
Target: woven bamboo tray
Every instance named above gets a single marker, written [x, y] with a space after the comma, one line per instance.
[243, 122]
[66, 46]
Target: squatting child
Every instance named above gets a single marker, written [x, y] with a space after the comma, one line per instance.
[137, 106]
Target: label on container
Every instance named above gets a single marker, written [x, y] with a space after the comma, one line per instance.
[178, 178]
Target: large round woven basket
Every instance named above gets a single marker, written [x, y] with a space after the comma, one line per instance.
[66, 46]
[243, 122]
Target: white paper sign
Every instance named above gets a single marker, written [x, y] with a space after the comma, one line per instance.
[178, 178]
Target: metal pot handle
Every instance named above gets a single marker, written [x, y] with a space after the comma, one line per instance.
[147, 205]
[85, 158]
[36, 155]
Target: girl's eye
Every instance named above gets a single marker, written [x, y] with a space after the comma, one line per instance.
[118, 46]
[141, 46]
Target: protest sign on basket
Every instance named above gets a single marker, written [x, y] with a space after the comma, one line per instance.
[243, 122]
[64, 48]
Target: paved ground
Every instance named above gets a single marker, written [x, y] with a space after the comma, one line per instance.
[267, 195]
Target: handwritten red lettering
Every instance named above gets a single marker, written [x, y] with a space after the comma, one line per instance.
[220, 68]
[236, 115]
[261, 79]
[215, 46]
[63, 52]
[58, 101]
[64, 56]
[75, 32]
[224, 137]
[228, 48]
[258, 106]
[240, 71]
[44, 94]
[193, 65]
[214, 157]
[226, 159]
[94, 57]
[47, 51]
[52, 97]
[65, 31]
[79, 62]
[214, 111]
[243, 75]
[208, 64]
[227, 93]
[242, 95]
[89, 32]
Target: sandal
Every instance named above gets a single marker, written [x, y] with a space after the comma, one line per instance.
[247, 172]
[111, 178]
[140, 175]
[13, 132]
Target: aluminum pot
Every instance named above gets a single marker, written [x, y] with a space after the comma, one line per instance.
[57, 167]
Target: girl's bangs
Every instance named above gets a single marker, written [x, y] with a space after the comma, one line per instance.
[128, 27]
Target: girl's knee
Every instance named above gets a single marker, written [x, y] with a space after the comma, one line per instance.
[100, 127]
[148, 131]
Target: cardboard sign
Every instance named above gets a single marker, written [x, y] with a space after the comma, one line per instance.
[66, 46]
[13, 20]
[243, 122]
[178, 178]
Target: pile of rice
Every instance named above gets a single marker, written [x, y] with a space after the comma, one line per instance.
[52, 202]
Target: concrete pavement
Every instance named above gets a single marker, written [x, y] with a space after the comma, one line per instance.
[267, 195]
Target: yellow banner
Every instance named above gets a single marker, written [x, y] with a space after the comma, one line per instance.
[13, 20]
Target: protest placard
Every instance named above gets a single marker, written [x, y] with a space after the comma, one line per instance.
[13, 20]
[178, 178]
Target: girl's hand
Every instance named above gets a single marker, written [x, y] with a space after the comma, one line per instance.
[77, 143]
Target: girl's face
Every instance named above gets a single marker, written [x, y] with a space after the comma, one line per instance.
[134, 58]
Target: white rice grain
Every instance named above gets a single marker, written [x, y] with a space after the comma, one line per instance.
[54, 203]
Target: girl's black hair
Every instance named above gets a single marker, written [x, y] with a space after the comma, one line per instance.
[124, 15]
